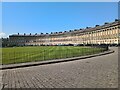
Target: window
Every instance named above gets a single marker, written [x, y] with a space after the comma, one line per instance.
[116, 27]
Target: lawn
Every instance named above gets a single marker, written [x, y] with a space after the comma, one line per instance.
[40, 53]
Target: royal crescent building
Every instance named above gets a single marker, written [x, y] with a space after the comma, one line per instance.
[100, 34]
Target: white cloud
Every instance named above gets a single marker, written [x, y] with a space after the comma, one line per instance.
[2, 34]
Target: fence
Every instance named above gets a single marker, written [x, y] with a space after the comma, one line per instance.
[40, 53]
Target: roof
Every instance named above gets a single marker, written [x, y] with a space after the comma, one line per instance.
[106, 25]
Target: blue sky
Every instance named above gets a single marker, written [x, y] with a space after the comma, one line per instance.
[37, 17]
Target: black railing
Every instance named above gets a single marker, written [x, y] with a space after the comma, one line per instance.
[40, 53]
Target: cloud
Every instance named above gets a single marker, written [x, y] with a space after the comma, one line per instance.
[2, 34]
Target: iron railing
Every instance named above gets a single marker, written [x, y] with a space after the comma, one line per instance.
[40, 53]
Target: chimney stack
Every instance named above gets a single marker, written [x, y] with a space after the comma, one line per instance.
[116, 20]
[97, 25]
[106, 23]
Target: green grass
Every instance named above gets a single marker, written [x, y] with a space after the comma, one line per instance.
[39, 53]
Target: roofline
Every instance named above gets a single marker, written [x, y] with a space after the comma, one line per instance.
[72, 32]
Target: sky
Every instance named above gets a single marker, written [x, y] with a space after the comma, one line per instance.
[46, 17]
[60, 0]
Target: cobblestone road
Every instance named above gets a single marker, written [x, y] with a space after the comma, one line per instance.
[96, 72]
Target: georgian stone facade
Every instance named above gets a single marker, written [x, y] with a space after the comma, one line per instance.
[105, 34]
